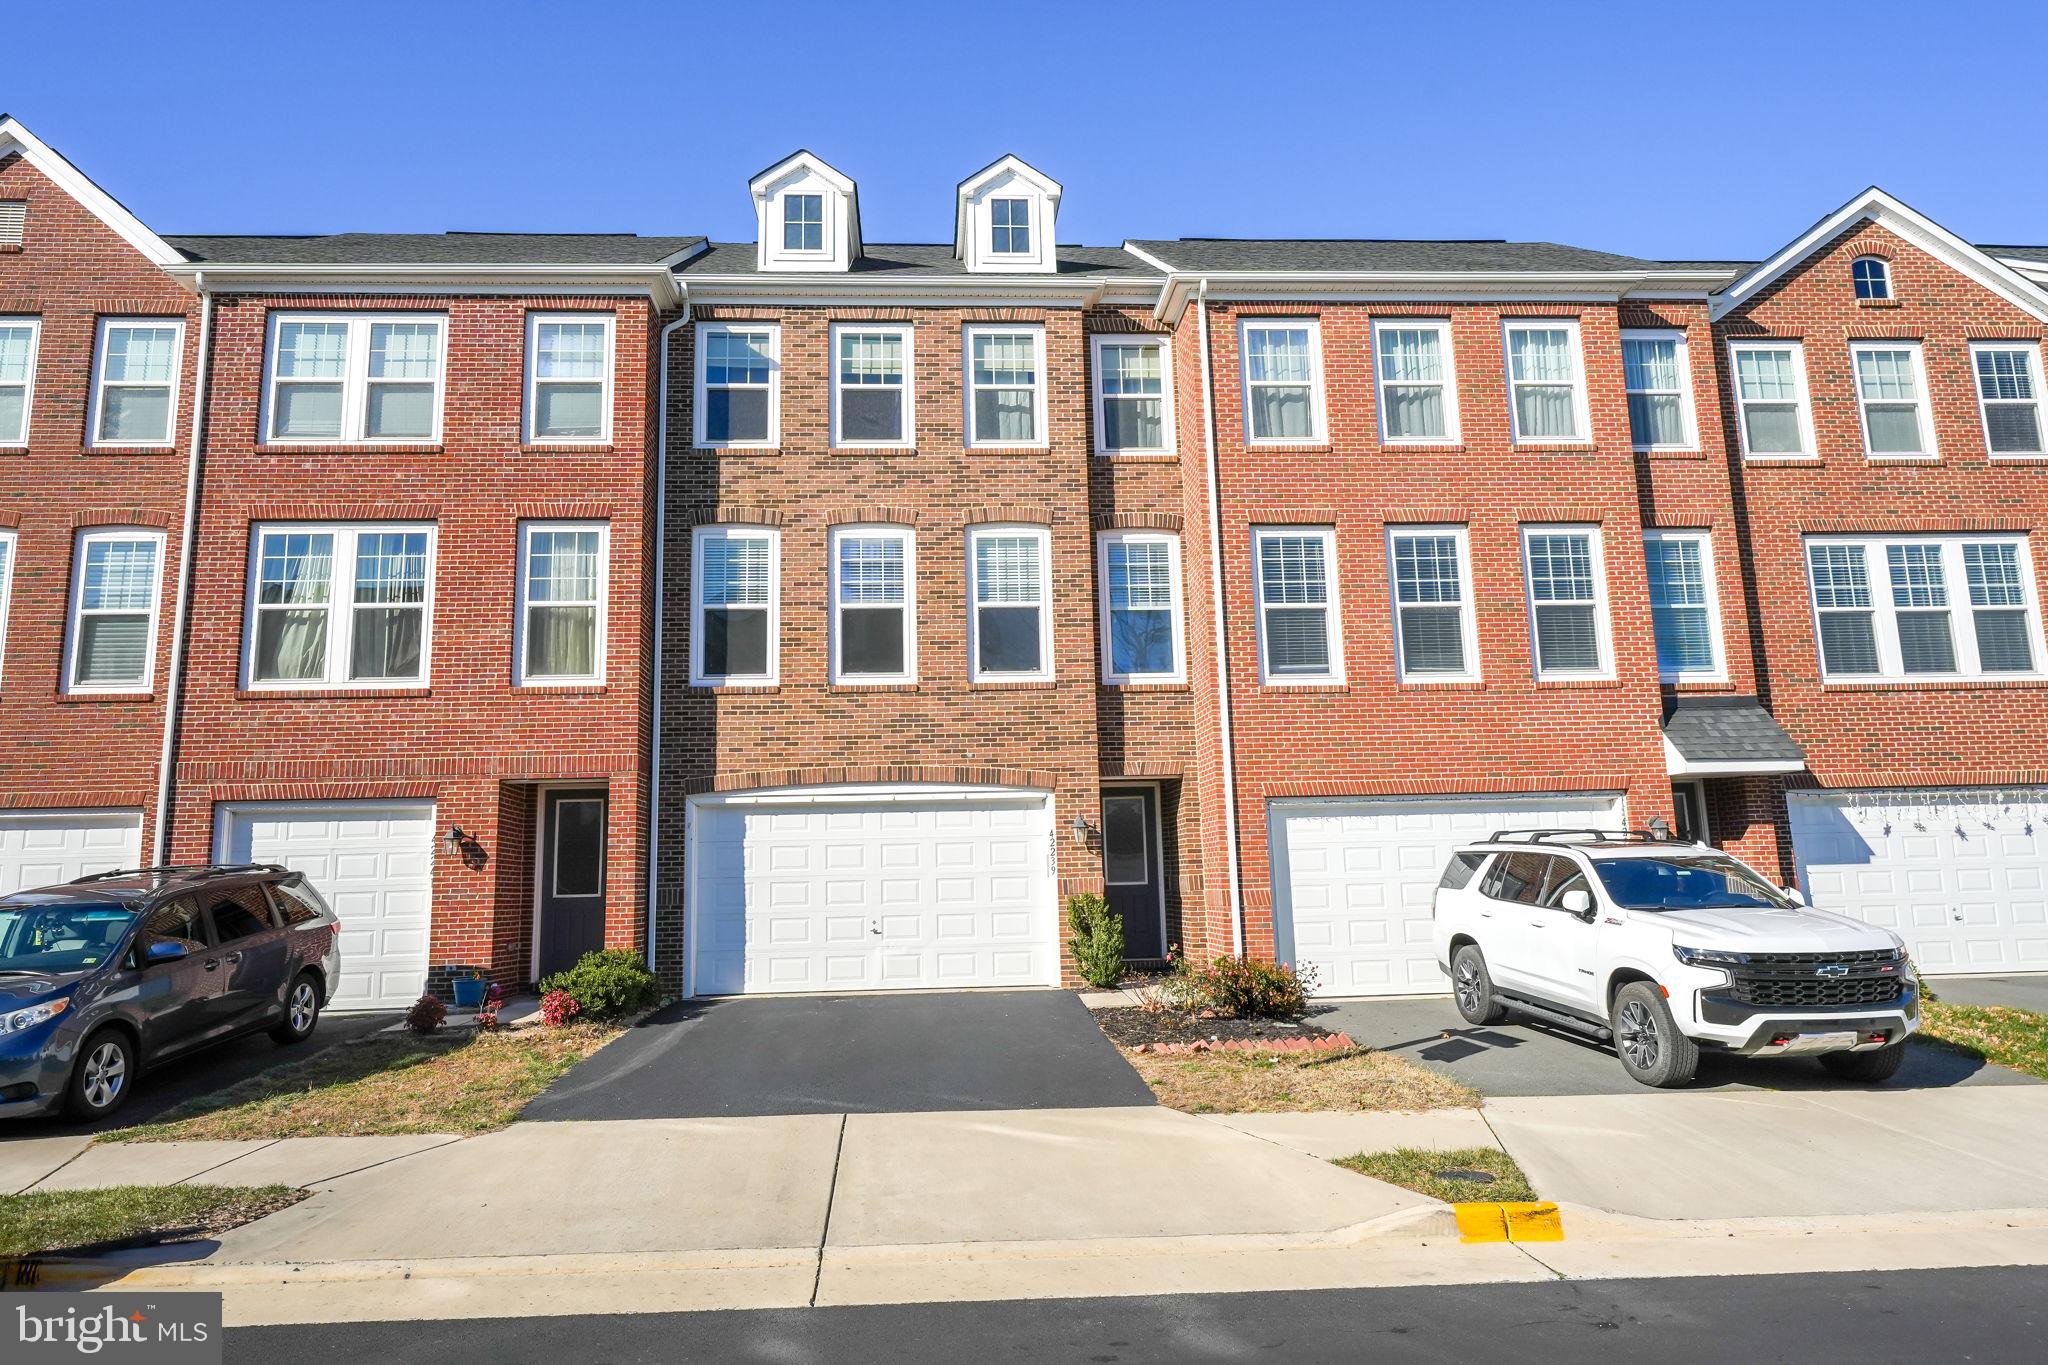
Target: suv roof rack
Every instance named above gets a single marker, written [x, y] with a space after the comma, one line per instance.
[193, 870]
[1600, 836]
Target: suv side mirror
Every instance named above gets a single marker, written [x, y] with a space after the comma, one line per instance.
[1795, 895]
[162, 951]
[1578, 901]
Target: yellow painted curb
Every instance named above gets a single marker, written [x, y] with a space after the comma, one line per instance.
[1494, 1222]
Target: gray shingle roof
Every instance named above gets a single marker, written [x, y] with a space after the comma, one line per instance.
[436, 248]
[921, 258]
[2018, 253]
[1304, 255]
[1728, 730]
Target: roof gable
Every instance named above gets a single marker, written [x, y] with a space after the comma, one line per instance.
[1009, 177]
[16, 139]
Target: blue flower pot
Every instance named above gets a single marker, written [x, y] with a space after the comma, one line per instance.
[469, 992]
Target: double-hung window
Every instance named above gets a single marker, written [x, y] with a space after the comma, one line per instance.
[1417, 388]
[1283, 367]
[18, 337]
[1435, 633]
[1299, 638]
[563, 574]
[340, 605]
[569, 377]
[355, 377]
[874, 604]
[1924, 607]
[6, 586]
[735, 577]
[1657, 374]
[1009, 621]
[1891, 393]
[1567, 581]
[1010, 227]
[872, 403]
[1772, 418]
[739, 378]
[1142, 634]
[115, 587]
[1133, 400]
[1684, 611]
[2008, 390]
[135, 381]
[1546, 380]
[1005, 386]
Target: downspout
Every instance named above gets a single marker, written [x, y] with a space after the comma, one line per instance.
[174, 684]
[1222, 650]
[660, 631]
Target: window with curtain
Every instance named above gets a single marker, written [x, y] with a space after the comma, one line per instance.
[1910, 625]
[736, 389]
[1842, 600]
[1004, 387]
[135, 398]
[1681, 604]
[354, 378]
[1543, 375]
[1414, 373]
[1998, 607]
[1010, 604]
[1888, 388]
[871, 386]
[1566, 600]
[18, 338]
[562, 603]
[803, 222]
[1431, 605]
[1770, 397]
[2008, 390]
[1141, 606]
[1295, 604]
[1280, 363]
[1010, 226]
[1920, 608]
[114, 605]
[340, 605]
[735, 606]
[569, 391]
[1130, 396]
[1656, 376]
[1872, 277]
[872, 580]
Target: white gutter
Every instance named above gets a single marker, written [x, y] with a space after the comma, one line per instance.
[660, 630]
[173, 685]
[657, 280]
[1477, 284]
[1222, 649]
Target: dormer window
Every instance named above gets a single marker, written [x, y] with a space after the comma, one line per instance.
[1004, 219]
[1873, 277]
[807, 217]
[1010, 231]
[803, 222]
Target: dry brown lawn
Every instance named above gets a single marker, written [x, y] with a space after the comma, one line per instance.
[1279, 1082]
[56, 1221]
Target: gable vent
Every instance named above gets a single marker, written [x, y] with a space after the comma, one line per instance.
[13, 216]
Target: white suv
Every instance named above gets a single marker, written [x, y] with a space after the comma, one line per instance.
[1666, 948]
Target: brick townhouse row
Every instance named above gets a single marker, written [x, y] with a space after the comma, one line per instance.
[816, 614]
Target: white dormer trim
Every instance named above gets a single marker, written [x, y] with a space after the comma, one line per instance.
[74, 182]
[802, 173]
[974, 224]
[1874, 205]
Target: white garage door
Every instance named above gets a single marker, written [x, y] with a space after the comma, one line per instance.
[1961, 874]
[374, 862]
[866, 893]
[1353, 880]
[42, 848]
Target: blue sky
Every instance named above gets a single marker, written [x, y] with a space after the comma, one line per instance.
[1701, 131]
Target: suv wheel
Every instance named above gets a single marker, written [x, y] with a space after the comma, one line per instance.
[1646, 1038]
[101, 1077]
[301, 1011]
[1880, 1065]
[1474, 988]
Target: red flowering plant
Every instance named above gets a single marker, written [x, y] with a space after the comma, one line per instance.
[558, 1008]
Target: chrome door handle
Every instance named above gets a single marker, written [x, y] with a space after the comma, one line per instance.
[212, 963]
[234, 957]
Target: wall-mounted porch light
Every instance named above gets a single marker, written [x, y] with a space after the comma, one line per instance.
[1081, 829]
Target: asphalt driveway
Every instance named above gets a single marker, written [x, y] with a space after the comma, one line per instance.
[2020, 992]
[860, 1054]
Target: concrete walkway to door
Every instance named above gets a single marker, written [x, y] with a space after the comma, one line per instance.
[897, 1053]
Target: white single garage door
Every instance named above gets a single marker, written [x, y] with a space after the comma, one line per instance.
[1353, 879]
[1960, 873]
[893, 890]
[374, 862]
[42, 848]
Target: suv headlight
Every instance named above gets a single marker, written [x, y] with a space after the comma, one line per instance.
[33, 1015]
[1708, 957]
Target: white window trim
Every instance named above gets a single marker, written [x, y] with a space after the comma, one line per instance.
[774, 438]
[1333, 624]
[1179, 671]
[1685, 382]
[1603, 628]
[340, 606]
[355, 380]
[1962, 623]
[599, 652]
[1468, 616]
[12, 546]
[2033, 354]
[1036, 332]
[1096, 344]
[1802, 400]
[908, 335]
[1319, 429]
[773, 676]
[1582, 416]
[534, 322]
[1929, 452]
[73, 617]
[1044, 671]
[1884, 270]
[28, 392]
[1031, 227]
[808, 189]
[1453, 432]
[1705, 540]
[877, 530]
[99, 382]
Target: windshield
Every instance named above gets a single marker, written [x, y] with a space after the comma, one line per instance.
[67, 936]
[1707, 881]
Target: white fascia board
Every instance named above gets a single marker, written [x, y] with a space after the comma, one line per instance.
[96, 201]
[1149, 259]
[1678, 765]
[937, 290]
[659, 281]
[1594, 285]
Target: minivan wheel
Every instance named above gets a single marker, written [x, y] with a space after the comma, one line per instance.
[301, 1011]
[1474, 988]
[101, 1077]
[1880, 1065]
[1646, 1038]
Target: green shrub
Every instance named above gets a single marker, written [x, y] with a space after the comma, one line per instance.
[1098, 942]
[607, 984]
[1248, 988]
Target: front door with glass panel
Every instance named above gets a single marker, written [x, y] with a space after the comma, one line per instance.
[572, 868]
[1132, 869]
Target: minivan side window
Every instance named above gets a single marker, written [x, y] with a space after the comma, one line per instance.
[240, 914]
[294, 902]
[177, 922]
[1458, 875]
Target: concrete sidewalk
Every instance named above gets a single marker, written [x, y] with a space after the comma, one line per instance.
[69, 1163]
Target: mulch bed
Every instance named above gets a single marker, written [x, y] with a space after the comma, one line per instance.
[1132, 1027]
